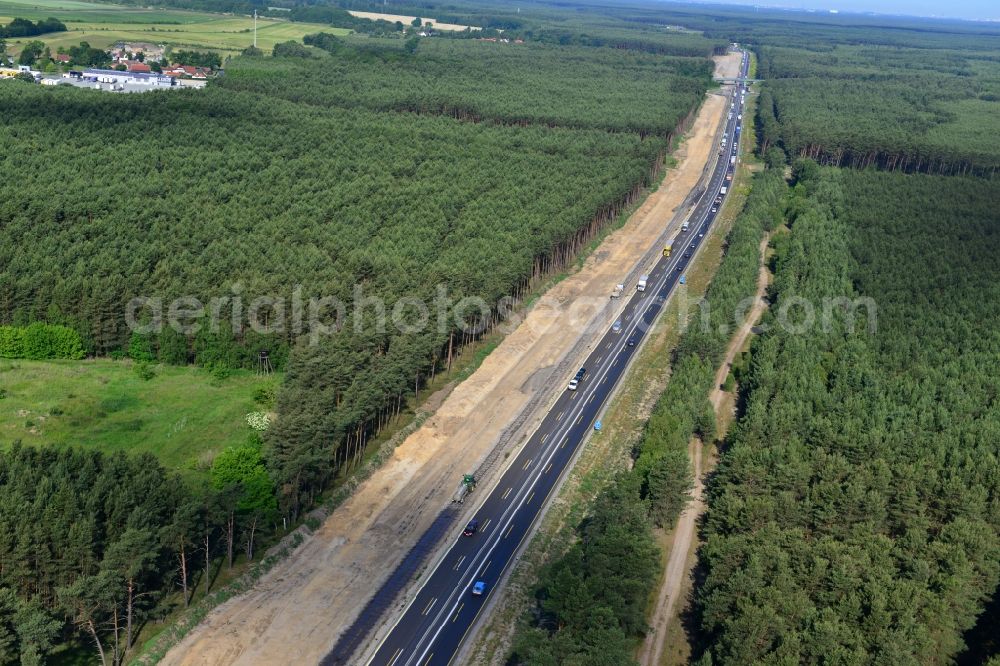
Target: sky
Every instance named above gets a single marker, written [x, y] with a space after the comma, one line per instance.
[966, 9]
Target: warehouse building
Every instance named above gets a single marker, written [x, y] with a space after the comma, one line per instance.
[114, 76]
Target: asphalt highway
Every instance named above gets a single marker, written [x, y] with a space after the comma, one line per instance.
[437, 620]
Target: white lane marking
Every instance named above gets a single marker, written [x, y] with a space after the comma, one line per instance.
[430, 606]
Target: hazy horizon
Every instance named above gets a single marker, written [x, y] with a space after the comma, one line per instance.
[981, 10]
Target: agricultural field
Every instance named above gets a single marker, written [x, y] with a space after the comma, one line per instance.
[183, 415]
[101, 25]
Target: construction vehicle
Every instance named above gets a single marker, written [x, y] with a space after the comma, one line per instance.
[617, 291]
[468, 485]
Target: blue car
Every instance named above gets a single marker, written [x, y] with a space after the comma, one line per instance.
[683, 279]
[478, 588]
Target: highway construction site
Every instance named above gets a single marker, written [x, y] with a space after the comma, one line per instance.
[303, 606]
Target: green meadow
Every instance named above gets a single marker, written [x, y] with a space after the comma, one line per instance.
[183, 415]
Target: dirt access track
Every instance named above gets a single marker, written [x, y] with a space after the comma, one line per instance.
[679, 574]
[298, 610]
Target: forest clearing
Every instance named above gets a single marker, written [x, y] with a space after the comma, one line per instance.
[182, 415]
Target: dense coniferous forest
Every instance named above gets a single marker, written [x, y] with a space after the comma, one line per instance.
[856, 511]
[899, 108]
[90, 544]
[524, 84]
[246, 193]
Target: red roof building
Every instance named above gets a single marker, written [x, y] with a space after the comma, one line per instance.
[176, 71]
[138, 67]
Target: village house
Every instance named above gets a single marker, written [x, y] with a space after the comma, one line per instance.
[129, 50]
[186, 71]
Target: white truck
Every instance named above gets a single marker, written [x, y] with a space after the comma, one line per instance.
[723, 190]
[732, 160]
[641, 285]
[617, 291]
[684, 226]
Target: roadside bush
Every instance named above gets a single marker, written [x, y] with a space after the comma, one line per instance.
[144, 371]
[265, 396]
[139, 348]
[39, 341]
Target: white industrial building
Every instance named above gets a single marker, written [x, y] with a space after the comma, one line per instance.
[114, 76]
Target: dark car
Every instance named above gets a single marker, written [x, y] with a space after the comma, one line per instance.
[687, 254]
[692, 246]
[471, 528]
[631, 342]
[680, 268]
[580, 373]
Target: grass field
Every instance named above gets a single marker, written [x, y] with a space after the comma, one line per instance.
[102, 25]
[183, 415]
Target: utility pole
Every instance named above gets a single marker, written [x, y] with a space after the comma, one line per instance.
[255, 28]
